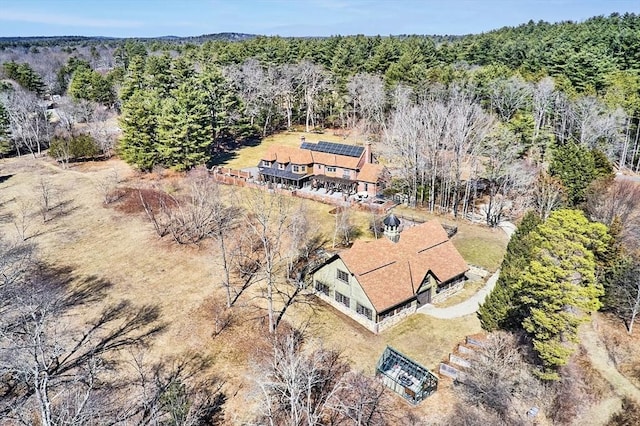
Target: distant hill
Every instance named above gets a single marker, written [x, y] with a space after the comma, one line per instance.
[66, 40]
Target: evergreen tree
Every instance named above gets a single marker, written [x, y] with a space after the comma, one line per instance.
[135, 79]
[602, 167]
[184, 132]
[158, 74]
[139, 123]
[92, 86]
[221, 102]
[64, 74]
[25, 76]
[558, 287]
[574, 165]
[500, 310]
[5, 146]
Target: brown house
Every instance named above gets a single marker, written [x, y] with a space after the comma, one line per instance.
[331, 166]
[378, 282]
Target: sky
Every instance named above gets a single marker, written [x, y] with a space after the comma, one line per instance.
[153, 18]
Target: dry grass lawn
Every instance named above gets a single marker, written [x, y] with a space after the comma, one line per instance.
[98, 240]
[470, 288]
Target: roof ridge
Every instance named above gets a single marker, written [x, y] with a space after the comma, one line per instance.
[378, 267]
[432, 246]
[413, 287]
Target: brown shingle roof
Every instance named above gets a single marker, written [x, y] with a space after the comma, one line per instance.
[287, 154]
[335, 160]
[391, 273]
[370, 172]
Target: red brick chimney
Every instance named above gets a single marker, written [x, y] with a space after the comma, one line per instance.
[367, 153]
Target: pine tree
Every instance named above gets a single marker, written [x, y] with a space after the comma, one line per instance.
[184, 128]
[158, 74]
[5, 146]
[139, 123]
[134, 79]
[499, 310]
[224, 107]
[574, 165]
[558, 288]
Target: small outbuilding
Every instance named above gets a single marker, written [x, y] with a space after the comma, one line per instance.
[405, 377]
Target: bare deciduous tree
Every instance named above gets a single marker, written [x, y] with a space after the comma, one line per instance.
[368, 99]
[499, 380]
[300, 383]
[509, 96]
[623, 290]
[47, 193]
[542, 103]
[619, 200]
[344, 229]
[22, 218]
[56, 368]
[28, 121]
[178, 391]
[548, 195]
[360, 400]
[313, 81]
[268, 217]
[108, 186]
[102, 129]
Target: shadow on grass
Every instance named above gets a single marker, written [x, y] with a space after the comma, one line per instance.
[221, 158]
[227, 150]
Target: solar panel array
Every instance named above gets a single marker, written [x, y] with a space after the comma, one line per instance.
[334, 148]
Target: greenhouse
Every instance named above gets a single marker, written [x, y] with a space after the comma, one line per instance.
[406, 377]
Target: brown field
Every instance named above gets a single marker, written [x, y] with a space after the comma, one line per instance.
[101, 241]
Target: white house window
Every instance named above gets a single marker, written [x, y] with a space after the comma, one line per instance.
[266, 163]
[280, 166]
[343, 276]
[364, 311]
[299, 169]
[341, 298]
[322, 288]
[331, 169]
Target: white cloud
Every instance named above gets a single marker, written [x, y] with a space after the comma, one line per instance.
[65, 20]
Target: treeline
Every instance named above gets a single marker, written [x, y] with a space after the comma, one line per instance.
[536, 100]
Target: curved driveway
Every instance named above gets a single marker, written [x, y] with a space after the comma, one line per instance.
[470, 305]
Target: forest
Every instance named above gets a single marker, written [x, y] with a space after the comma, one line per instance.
[538, 124]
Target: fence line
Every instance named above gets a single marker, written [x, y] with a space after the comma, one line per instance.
[228, 176]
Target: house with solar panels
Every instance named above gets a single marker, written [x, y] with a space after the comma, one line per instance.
[332, 167]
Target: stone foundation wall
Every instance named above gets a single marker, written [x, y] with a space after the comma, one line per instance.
[445, 294]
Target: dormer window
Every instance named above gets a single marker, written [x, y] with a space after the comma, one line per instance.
[266, 163]
[280, 166]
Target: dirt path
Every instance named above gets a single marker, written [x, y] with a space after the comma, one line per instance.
[600, 414]
[602, 362]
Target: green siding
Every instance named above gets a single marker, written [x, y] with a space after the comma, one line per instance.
[328, 274]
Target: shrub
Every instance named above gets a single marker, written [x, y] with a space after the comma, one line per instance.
[74, 148]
